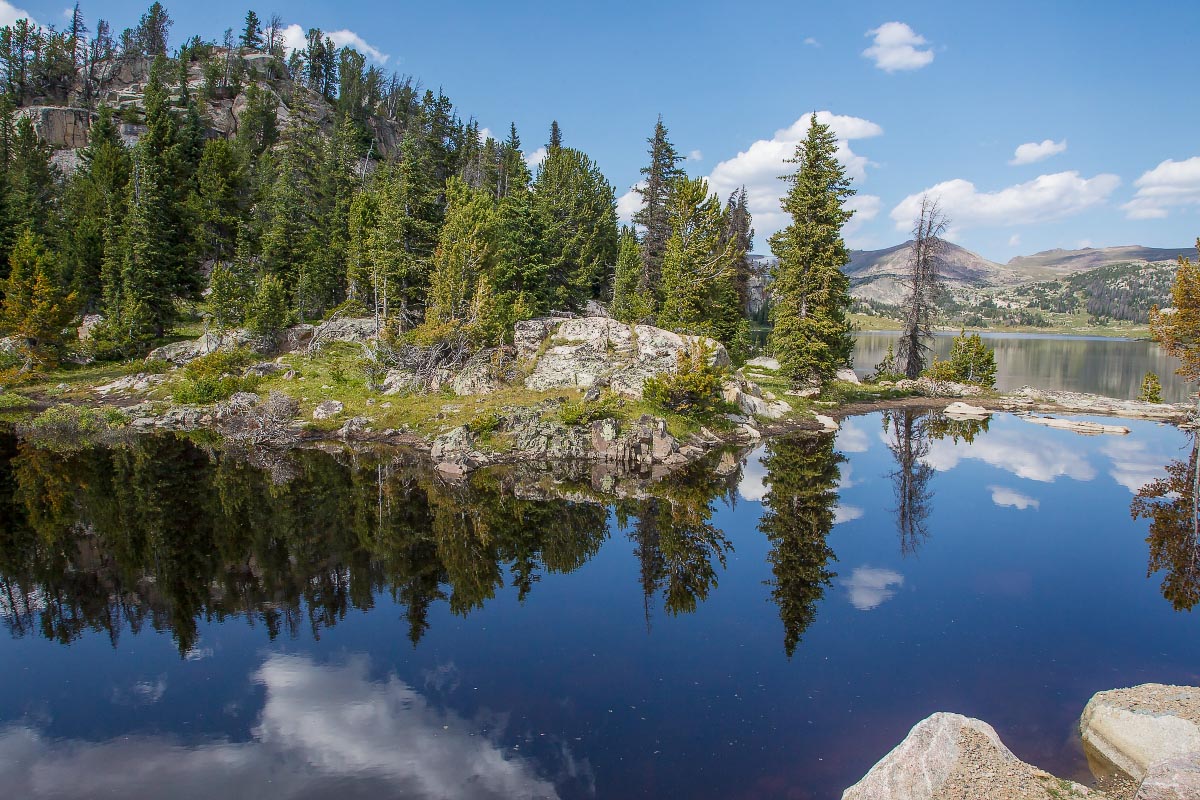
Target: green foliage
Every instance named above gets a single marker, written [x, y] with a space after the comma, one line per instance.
[67, 424]
[267, 312]
[12, 402]
[693, 389]
[584, 412]
[486, 423]
[629, 304]
[887, 369]
[34, 308]
[970, 361]
[215, 377]
[1151, 389]
[811, 337]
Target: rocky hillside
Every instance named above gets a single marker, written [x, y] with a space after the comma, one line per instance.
[875, 274]
[1056, 263]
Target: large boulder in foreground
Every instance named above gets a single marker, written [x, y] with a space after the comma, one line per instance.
[952, 757]
[1144, 729]
[586, 351]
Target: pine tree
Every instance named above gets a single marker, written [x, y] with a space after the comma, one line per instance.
[217, 204]
[699, 271]
[31, 180]
[1178, 329]
[153, 30]
[465, 252]
[521, 275]
[252, 32]
[93, 205]
[35, 309]
[811, 337]
[579, 208]
[628, 303]
[555, 136]
[654, 215]
[739, 230]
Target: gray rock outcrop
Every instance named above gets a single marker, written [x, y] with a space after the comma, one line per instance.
[61, 128]
[1145, 729]
[1029, 398]
[585, 351]
[328, 409]
[952, 757]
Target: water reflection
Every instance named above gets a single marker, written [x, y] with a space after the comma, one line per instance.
[802, 478]
[323, 730]
[1172, 504]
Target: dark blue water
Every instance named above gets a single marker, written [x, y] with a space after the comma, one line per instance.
[184, 622]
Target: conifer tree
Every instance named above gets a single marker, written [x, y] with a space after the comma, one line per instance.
[699, 278]
[35, 308]
[93, 207]
[521, 275]
[555, 136]
[465, 252]
[578, 206]
[654, 215]
[628, 303]
[31, 180]
[217, 203]
[252, 32]
[739, 229]
[811, 335]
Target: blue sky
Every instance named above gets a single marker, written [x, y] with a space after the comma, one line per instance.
[927, 96]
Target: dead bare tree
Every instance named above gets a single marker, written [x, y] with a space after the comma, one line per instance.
[923, 286]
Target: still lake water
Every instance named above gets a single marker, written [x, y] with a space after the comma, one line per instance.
[1096, 364]
[183, 622]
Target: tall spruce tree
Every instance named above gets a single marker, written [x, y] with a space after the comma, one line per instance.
[252, 32]
[654, 215]
[811, 335]
[739, 228]
[465, 255]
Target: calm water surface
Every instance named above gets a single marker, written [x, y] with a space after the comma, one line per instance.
[1100, 365]
[182, 622]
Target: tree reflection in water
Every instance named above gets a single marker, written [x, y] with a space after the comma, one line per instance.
[164, 532]
[1172, 504]
[802, 477]
[909, 433]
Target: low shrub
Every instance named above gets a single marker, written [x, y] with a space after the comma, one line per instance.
[215, 377]
[694, 389]
[971, 361]
[485, 423]
[67, 422]
[585, 413]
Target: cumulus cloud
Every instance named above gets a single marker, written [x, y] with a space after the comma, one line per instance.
[753, 485]
[629, 203]
[295, 38]
[869, 587]
[323, 730]
[852, 438]
[1133, 466]
[695, 155]
[532, 160]
[1003, 496]
[1046, 197]
[1025, 455]
[10, 14]
[844, 513]
[898, 47]
[1031, 152]
[759, 166]
[1014, 240]
[811, 42]
[1172, 183]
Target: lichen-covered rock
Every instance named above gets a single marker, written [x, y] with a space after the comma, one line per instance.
[140, 382]
[1030, 398]
[328, 409]
[453, 446]
[848, 375]
[212, 342]
[581, 352]
[934, 388]
[1176, 778]
[952, 757]
[1134, 729]
[748, 397]
[59, 127]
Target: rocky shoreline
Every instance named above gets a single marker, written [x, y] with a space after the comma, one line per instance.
[1142, 743]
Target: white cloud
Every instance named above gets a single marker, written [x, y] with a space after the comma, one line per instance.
[536, 157]
[10, 14]
[1014, 240]
[759, 166]
[323, 730]
[870, 587]
[485, 134]
[753, 485]
[1133, 466]
[1046, 197]
[851, 437]
[844, 513]
[695, 155]
[1031, 152]
[1026, 455]
[1084, 244]
[295, 38]
[628, 204]
[897, 47]
[811, 42]
[1171, 183]
[1003, 496]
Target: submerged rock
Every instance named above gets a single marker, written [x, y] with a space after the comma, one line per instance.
[1139, 729]
[960, 410]
[1077, 425]
[952, 757]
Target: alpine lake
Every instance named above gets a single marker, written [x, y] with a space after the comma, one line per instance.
[185, 620]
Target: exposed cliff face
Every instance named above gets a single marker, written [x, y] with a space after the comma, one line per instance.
[121, 84]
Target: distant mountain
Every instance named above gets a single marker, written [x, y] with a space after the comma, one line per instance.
[875, 274]
[1053, 263]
